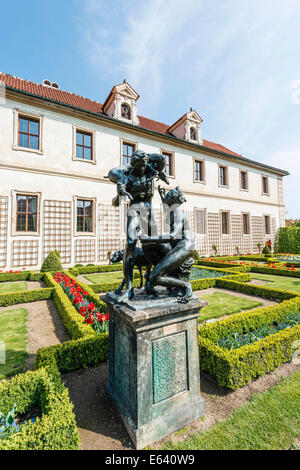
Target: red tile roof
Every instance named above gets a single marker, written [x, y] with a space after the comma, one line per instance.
[65, 97]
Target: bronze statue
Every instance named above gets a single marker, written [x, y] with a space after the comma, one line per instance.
[165, 273]
[136, 182]
[170, 254]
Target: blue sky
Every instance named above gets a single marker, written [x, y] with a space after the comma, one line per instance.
[236, 62]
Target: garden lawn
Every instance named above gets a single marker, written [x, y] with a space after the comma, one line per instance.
[220, 304]
[270, 421]
[13, 333]
[279, 282]
[12, 286]
[99, 278]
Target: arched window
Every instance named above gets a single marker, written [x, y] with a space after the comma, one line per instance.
[193, 133]
[125, 111]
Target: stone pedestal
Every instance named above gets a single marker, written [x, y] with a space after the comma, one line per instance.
[154, 373]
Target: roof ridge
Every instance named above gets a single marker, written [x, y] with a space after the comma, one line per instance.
[56, 89]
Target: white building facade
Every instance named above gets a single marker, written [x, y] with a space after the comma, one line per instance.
[56, 149]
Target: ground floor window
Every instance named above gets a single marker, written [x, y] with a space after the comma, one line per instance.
[267, 225]
[84, 214]
[246, 224]
[200, 221]
[26, 213]
[225, 223]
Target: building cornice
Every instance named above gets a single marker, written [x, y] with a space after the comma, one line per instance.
[101, 179]
[108, 121]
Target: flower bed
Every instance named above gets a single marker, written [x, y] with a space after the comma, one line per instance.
[79, 298]
[244, 337]
[237, 367]
[55, 429]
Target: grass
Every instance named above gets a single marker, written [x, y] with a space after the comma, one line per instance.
[98, 278]
[270, 421]
[279, 282]
[220, 304]
[12, 286]
[13, 333]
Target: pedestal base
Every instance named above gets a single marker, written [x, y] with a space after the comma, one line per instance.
[154, 373]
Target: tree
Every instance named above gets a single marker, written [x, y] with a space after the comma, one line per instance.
[52, 262]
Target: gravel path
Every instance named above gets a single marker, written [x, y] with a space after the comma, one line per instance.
[101, 428]
[44, 327]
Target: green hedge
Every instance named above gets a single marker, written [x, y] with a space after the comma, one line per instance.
[234, 369]
[253, 258]
[279, 271]
[71, 355]
[287, 240]
[258, 291]
[71, 319]
[220, 265]
[87, 348]
[13, 298]
[98, 269]
[23, 276]
[56, 429]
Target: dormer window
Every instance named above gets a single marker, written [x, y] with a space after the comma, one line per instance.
[193, 133]
[125, 111]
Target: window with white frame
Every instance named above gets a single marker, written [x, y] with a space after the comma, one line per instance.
[244, 180]
[246, 224]
[225, 223]
[200, 225]
[27, 132]
[223, 175]
[267, 224]
[265, 185]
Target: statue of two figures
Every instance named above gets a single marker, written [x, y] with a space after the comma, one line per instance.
[168, 257]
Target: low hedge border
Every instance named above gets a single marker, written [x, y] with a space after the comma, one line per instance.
[14, 298]
[105, 268]
[278, 271]
[87, 348]
[197, 284]
[258, 291]
[234, 369]
[56, 429]
[84, 352]
[224, 265]
[23, 276]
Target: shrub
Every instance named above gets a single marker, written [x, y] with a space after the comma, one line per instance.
[75, 354]
[215, 249]
[51, 263]
[234, 369]
[56, 429]
[13, 298]
[287, 240]
[196, 255]
[266, 250]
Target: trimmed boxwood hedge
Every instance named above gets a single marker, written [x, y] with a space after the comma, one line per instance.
[13, 298]
[234, 369]
[106, 268]
[85, 352]
[279, 271]
[258, 291]
[224, 265]
[56, 429]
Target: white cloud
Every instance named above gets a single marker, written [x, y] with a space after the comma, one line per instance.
[233, 61]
